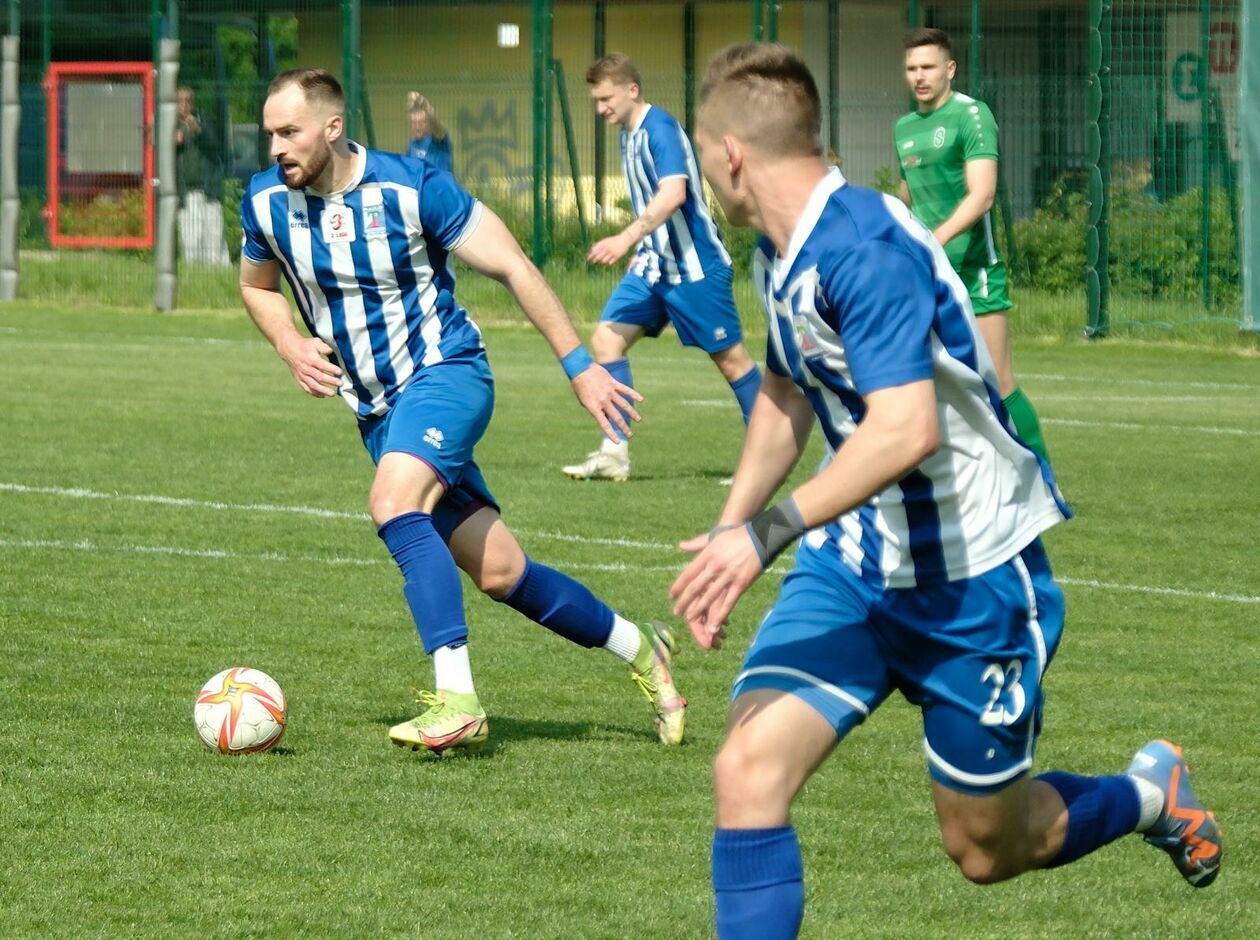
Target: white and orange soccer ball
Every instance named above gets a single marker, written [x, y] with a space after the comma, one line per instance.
[240, 711]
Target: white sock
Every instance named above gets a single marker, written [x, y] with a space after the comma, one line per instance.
[624, 640]
[451, 669]
[619, 449]
[1152, 798]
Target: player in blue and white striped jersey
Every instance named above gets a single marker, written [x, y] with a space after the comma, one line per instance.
[364, 240]
[679, 273]
[921, 568]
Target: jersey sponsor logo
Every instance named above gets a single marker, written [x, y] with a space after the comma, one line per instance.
[938, 138]
[912, 161]
[337, 224]
[297, 219]
[374, 221]
[434, 438]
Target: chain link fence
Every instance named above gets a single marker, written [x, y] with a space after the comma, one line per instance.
[1119, 122]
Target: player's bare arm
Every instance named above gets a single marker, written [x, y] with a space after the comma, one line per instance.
[981, 176]
[490, 249]
[898, 432]
[777, 432]
[671, 194]
[903, 193]
[306, 356]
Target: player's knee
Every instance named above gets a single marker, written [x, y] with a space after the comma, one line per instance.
[607, 344]
[733, 362]
[498, 574]
[747, 782]
[383, 506]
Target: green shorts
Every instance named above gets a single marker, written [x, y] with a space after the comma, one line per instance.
[987, 286]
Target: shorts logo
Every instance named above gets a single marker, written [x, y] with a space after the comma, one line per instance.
[434, 438]
[938, 138]
[720, 333]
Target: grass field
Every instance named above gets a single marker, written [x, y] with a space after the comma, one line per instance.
[171, 505]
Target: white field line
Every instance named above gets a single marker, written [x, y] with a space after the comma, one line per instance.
[1162, 428]
[258, 508]
[1067, 422]
[127, 548]
[663, 361]
[1146, 383]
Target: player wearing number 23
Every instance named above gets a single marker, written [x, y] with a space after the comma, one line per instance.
[921, 568]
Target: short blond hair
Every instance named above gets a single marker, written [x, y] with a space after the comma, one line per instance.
[319, 87]
[763, 94]
[615, 67]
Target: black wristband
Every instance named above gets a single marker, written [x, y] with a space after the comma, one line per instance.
[775, 529]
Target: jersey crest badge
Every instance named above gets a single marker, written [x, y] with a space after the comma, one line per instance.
[374, 221]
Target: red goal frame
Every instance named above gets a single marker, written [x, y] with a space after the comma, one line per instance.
[59, 73]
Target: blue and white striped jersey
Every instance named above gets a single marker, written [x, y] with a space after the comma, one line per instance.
[866, 299]
[687, 245]
[369, 267]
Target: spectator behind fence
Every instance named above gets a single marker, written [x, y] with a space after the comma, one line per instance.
[199, 178]
[429, 139]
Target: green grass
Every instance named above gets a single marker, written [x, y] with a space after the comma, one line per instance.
[126, 280]
[116, 606]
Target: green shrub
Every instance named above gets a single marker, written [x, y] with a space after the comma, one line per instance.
[107, 214]
[1154, 246]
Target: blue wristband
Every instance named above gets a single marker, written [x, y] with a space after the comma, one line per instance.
[576, 362]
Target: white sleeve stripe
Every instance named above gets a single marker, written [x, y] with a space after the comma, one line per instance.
[474, 219]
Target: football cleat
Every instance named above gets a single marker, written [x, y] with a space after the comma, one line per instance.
[652, 675]
[600, 465]
[1184, 829]
[450, 721]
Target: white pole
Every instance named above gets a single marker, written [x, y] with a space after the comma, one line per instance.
[168, 194]
[10, 205]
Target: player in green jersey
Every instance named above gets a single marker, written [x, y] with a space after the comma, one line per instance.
[948, 151]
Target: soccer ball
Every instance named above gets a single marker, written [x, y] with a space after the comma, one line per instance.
[240, 711]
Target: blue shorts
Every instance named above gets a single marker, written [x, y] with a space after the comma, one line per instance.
[970, 654]
[439, 418]
[703, 312]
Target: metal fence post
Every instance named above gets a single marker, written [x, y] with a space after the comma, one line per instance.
[541, 40]
[1249, 160]
[10, 203]
[1097, 285]
[167, 279]
[601, 141]
[350, 24]
[1205, 151]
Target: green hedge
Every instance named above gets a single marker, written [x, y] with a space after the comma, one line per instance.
[1154, 245]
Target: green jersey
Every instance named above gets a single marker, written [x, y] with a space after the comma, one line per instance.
[933, 150]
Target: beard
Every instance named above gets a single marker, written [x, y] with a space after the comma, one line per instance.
[308, 174]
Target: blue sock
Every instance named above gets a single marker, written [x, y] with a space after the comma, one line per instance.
[759, 883]
[745, 388]
[1100, 810]
[619, 369]
[430, 579]
[561, 604]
